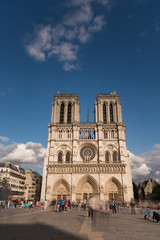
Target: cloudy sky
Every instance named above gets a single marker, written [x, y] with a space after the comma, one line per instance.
[85, 47]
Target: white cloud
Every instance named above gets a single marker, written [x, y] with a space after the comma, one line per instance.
[98, 23]
[157, 173]
[141, 170]
[146, 164]
[4, 139]
[65, 51]
[63, 39]
[22, 153]
[80, 16]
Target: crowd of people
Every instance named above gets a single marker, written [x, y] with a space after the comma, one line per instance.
[93, 204]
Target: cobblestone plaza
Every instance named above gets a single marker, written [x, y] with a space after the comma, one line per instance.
[17, 224]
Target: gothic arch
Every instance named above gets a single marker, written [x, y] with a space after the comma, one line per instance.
[91, 180]
[60, 157]
[61, 115]
[110, 148]
[63, 182]
[69, 112]
[113, 188]
[63, 148]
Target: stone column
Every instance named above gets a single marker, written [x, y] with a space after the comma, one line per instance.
[114, 113]
[53, 112]
[65, 112]
[72, 112]
[119, 112]
[95, 111]
[75, 112]
[108, 113]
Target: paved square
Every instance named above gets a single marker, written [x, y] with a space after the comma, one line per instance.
[17, 224]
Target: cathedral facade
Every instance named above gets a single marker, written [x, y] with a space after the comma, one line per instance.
[85, 160]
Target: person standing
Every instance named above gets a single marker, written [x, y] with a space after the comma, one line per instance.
[84, 204]
[62, 203]
[114, 207]
[65, 205]
[132, 204]
[90, 206]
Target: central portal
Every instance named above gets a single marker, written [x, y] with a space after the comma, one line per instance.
[87, 188]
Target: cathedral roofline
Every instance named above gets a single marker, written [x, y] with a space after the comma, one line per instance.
[65, 95]
[107, 94]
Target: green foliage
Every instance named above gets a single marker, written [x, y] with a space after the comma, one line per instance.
[4, 189]
[156, 192]
[135, 190]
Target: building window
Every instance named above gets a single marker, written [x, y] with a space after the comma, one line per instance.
[105, 134]
[69, 113]
[62, 113]
[112, 134]
[111, 113]
[68, 157]
[114, 157]
[60, 134]
[104, 113]
[107, 157]
[59, 157]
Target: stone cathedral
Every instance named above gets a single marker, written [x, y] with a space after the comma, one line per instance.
[85, 160]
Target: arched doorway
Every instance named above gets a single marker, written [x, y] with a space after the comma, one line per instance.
[113, 190]
[87, 187]
[61, 190]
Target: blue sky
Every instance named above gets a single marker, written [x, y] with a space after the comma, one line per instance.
[84, 47]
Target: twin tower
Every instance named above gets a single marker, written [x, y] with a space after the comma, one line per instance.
[85, 160]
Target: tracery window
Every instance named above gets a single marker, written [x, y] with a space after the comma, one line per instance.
[107, 155]
[60, 134]
[69, 113]
[68, 156]
[69, 134]
[112, 134]
[114, 157]
[111, 112]
[105, 134]
[104, 113]
[87, 153]
[59, 157]
[62, 113]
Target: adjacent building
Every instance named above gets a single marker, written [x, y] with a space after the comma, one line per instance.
[86, 159]
[12, 181]
[33, 185]
[19, 183]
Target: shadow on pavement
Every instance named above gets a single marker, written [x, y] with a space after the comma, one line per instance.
[80, 215]
[34, 232]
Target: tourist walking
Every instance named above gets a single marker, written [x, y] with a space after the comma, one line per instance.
[114, 207]
[84, 204]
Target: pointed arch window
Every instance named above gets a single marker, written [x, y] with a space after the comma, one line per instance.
[62, 113]
[68, 157]
[111, 112]
[59, 157]
[107, 157]
[114, 157]
[69, 113]
[104, 113]
[112, 134]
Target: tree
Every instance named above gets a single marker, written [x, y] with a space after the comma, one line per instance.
[135, 190]
[4, 189]
[156, 192]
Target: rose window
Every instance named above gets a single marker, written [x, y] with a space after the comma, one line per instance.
[87, 153]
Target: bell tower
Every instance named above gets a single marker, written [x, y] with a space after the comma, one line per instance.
[65, 109]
